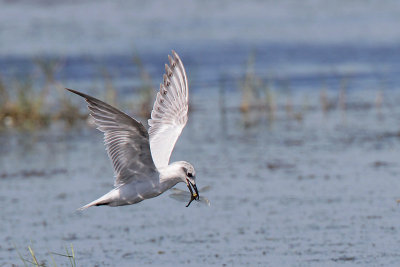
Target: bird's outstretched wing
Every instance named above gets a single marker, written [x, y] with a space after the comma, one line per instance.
[169, 115]
[126, 141]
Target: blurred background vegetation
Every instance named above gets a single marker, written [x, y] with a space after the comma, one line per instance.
[274, 56]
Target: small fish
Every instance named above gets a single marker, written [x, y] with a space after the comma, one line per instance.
[183, 196]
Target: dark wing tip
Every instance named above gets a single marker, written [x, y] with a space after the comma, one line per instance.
[78, 93]
[71, 90]
[176, 56]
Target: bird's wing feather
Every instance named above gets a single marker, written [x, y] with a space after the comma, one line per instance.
[169, 114]
[126, 141]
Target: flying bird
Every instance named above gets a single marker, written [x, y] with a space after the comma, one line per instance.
[141, 158]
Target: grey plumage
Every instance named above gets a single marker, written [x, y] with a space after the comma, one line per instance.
[140, 158]
[126, 141]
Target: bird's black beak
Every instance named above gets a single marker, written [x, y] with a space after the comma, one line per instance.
[193, 195]
[196, 194]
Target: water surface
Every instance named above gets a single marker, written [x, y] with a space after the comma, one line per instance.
[306, 188]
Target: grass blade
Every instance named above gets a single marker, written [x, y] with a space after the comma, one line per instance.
[20, 256]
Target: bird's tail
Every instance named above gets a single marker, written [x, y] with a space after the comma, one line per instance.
[86, 206]
[104, 200]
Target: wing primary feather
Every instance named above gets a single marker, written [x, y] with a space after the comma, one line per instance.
[169, 114]
[126, 141]
[184, 86]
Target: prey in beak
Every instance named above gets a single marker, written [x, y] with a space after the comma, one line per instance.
[193, 195]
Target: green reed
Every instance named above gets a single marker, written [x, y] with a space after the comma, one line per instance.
[33, 260]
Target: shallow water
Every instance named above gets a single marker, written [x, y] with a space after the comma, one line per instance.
[307, 188]
[318, 192]
[103, 27]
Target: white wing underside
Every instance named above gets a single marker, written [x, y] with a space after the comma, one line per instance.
[126, 141]
[169, 114]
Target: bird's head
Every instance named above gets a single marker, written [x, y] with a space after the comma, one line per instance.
[188, 175]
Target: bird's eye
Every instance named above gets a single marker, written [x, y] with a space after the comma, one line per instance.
[190, 174]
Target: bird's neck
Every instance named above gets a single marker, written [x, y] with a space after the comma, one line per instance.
[170, 176]
[166, 184]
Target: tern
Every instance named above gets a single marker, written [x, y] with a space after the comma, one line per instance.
[141, 158]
